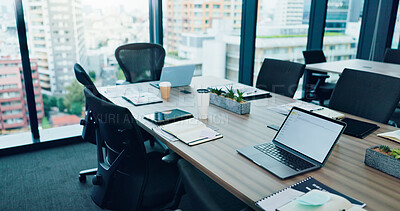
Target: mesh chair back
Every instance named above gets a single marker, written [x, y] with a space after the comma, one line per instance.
[141, 62]
[280, 77]
[121, 175]
[392, 56]
[365, 94]
[85, 80]
[314, 56]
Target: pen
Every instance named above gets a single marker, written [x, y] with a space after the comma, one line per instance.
[129, 101]
[318, 109]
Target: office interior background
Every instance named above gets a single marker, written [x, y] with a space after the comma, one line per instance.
[224, 38]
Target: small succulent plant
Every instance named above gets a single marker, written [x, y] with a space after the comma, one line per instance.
[230, 93]
[384, 148]
[395, 153]
[392, 152]
[239, 97]
[216, 91]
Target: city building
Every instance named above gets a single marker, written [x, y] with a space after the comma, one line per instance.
[56, 40]
[13, 106]
[189, 16]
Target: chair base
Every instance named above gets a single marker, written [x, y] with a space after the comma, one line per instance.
[84, 173]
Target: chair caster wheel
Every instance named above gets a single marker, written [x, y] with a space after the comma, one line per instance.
[97, 179]
[82, 178]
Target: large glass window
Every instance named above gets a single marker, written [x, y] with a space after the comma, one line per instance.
[396, 33]
[282, 28]
[205, 33]
[342, 29]
[14, 116]
[62, 33]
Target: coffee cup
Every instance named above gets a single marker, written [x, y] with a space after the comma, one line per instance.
[165, 89]
[203, 102]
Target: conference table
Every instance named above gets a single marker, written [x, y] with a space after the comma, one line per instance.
[337, 67]
[344, 171]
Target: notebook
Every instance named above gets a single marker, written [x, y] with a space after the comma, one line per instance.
[303, 143]
[282, 197]
[164, 117]
[285, 108]
[316, 200]
[177, 75]
[359, 128]
[393, 135]
[191, 131]
[138, 99]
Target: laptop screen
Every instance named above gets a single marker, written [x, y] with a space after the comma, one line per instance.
[308, 134]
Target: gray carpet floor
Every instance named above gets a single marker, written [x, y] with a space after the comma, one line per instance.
[47, 179]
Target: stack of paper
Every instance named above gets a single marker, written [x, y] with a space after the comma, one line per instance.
[393, 135]
[191, 131]
[285, 108]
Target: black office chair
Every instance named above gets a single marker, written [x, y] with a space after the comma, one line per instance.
[141, 62]
[365, 94]
[128, 178]
[280, 77]
[88, 133]
[392, 56]
[203, 193]
[316, 87]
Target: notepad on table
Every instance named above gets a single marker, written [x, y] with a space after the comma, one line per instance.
[285, 196]
[316, 200]
[191, 131]
[393, 135]
[285, 108]
[144, 98]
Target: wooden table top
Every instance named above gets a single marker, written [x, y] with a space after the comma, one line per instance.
[344, 171]
[357, 64]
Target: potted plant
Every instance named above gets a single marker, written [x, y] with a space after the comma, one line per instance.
[229, 100]
[384, 158]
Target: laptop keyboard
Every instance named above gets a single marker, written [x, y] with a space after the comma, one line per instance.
[283, 156]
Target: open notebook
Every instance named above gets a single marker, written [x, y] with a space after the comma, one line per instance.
[191, 131]
[285, 109]
[278, 200]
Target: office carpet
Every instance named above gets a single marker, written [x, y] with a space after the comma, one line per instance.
[47, 179]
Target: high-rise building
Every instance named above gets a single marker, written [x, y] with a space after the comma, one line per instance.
[195, 16]
[13, 106]
[55, 30]
[289, 12]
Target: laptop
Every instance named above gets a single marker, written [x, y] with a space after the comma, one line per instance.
[303, 143]
[176, 75]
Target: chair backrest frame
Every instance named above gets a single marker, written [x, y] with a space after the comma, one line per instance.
[141, 62]
[280, 77]
[123, 167]
[365, 94]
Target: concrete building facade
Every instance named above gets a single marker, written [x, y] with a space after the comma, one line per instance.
[13, 106]
[55, 30]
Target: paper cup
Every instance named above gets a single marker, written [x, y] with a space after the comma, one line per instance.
[203, 102]
[165, 89]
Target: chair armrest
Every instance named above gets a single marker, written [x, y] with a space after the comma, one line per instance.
[320, 75]
[121, 82]
[171, 158]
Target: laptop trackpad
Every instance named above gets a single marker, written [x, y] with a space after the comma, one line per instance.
[265, 160]
[283, 171]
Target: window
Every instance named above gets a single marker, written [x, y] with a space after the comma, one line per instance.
[87, 32]
[396, 33]
[194, 41]
[281, 31]
[342, 29]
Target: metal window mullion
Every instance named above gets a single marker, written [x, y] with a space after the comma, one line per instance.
[247, 41]
[26, 69]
